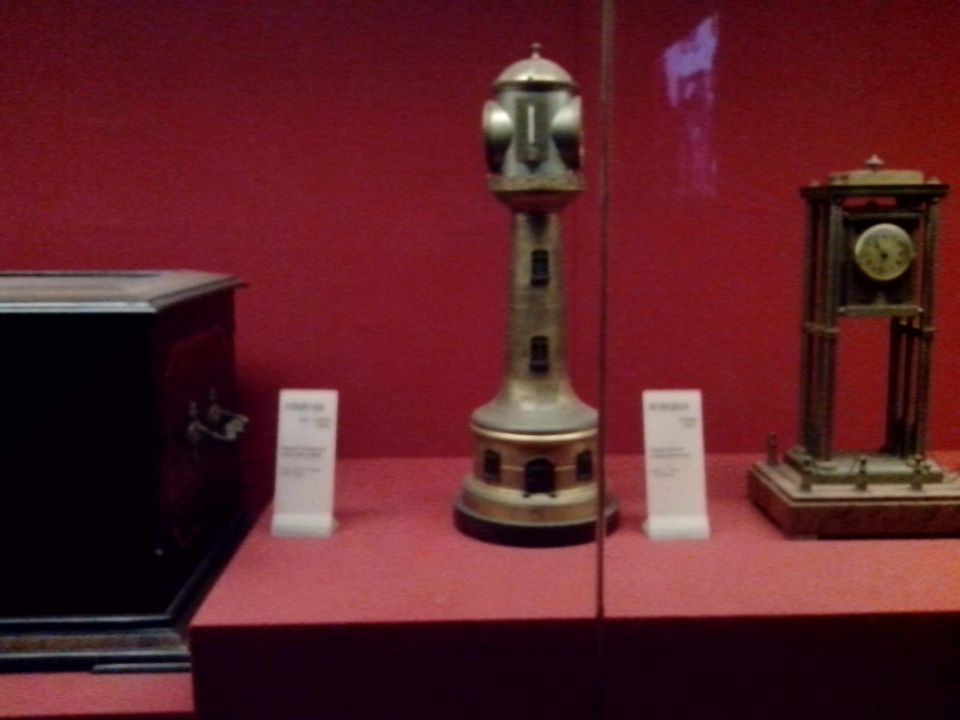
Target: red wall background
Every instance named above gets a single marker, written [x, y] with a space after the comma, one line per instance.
[329, 154]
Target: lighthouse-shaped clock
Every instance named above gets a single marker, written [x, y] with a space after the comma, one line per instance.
[533, 482]
[870, 256]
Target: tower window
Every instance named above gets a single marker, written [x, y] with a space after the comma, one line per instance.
[539, 476]
[584, 466]
[539, 354]
[491, 466]
[539, 268]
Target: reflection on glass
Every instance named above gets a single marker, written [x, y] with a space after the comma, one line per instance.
[688, 67]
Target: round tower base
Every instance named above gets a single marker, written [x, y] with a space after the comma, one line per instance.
[540, 534]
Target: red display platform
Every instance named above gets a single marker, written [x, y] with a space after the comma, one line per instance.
[165, 696]
[399, 616]
[750, 624]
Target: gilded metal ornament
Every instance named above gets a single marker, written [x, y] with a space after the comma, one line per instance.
[872, 238]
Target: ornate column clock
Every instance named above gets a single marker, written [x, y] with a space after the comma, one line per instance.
[533, 481]
[871, 255]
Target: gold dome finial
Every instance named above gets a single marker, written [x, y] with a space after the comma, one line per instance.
[874, 162]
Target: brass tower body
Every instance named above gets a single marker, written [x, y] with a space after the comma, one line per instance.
[533, 482]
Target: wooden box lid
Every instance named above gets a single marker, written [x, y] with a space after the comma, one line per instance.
[140, 291]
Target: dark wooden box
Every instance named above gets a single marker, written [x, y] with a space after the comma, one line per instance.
[119, 480]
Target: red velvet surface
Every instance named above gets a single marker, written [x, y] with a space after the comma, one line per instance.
[329, 154]
[747, 568]
[110, 697]
[396, 559]
[397, 595]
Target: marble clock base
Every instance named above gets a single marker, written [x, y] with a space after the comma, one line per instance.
[844, 511]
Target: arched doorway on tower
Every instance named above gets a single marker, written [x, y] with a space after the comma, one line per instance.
[539, 476]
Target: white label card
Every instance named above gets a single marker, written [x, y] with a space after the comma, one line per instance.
[306, 460]
[676, 474]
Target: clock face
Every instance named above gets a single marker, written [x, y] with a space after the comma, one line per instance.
[884, 251]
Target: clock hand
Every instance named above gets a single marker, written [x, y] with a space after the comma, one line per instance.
[875, 244]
